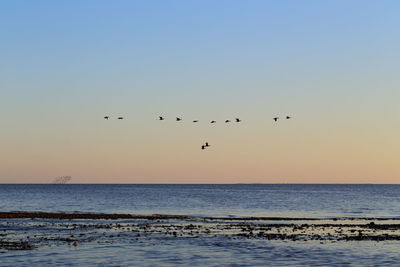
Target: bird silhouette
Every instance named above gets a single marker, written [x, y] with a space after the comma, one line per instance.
[288, 117]
[213, 122]
[238, 120]
[120, 118]
[206, 144]
[178, 119]
[203, 147]
[106, 117]
[161, 118]
[276, 118]
[196, 121]
[227, 121]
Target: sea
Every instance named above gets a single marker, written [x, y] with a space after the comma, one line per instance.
[209, 200]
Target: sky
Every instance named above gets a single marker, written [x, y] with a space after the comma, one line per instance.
[331, 65]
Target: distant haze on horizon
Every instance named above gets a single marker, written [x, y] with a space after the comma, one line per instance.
[331, 65]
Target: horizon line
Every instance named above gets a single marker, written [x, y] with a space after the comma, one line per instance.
[203, 183]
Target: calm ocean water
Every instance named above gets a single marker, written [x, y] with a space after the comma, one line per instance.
[283, 200]
[127, 248]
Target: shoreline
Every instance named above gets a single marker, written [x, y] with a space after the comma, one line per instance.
[23, 230]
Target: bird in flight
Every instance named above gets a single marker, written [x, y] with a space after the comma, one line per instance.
[238, 120]
[106, 117]
[206, 144]
[120, 118]
[288, 117]
[203, 147]
[213, 122]
[227, 121]
[161, 118]
[195, 121]
[276, 118]
[178, 119]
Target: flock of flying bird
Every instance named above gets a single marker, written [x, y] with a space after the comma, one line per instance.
[161, 118]
[206, 145]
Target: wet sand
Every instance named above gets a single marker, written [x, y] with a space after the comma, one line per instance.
[31, 230]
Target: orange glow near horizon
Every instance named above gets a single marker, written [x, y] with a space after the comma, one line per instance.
[333, 67]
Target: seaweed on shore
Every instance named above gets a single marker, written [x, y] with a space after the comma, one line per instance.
[28, 230]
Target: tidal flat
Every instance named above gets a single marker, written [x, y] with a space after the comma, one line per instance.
[125, 239]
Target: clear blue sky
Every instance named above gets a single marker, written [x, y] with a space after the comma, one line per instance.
[333, 65]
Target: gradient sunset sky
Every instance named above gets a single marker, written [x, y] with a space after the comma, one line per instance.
[332, 65]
